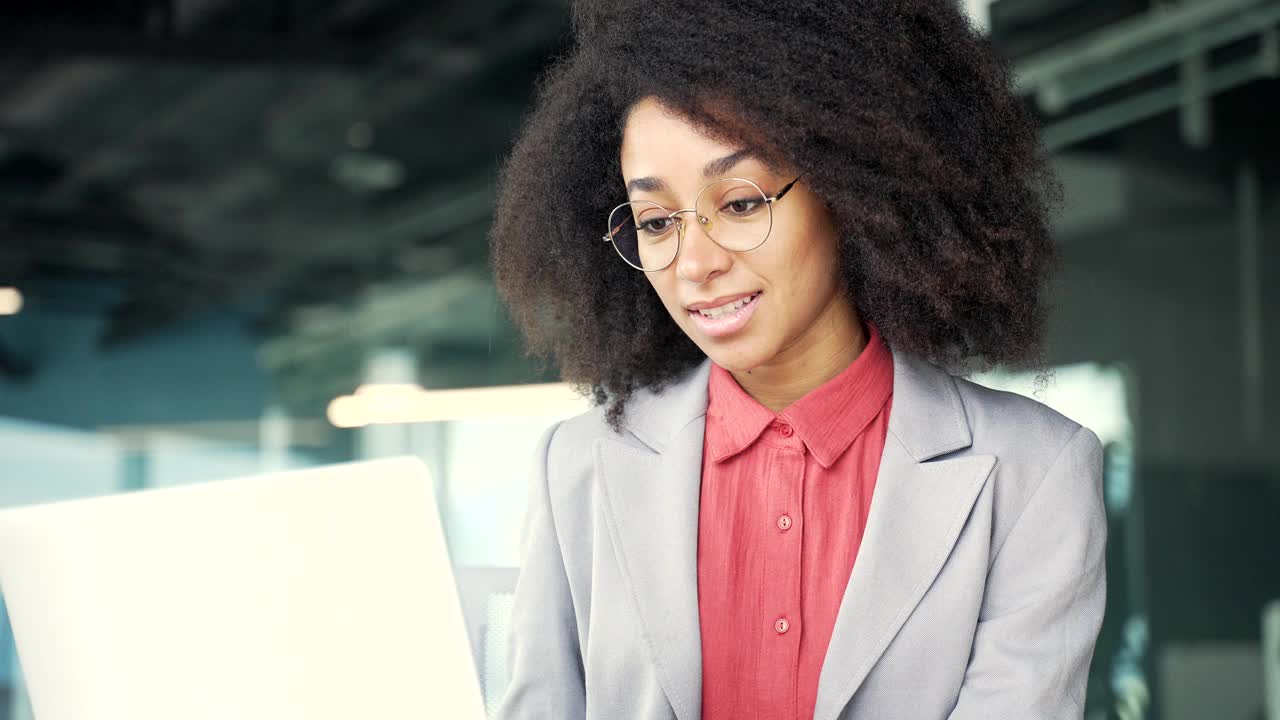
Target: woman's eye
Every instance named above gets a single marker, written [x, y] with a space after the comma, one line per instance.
[655, 226]
[745, 206]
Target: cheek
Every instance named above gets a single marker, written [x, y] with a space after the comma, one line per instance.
[792, 264]
[804, 269]
[816, 254]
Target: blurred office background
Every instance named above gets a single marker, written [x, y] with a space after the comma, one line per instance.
[243, 236]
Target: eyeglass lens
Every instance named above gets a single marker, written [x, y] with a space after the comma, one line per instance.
[732, 212]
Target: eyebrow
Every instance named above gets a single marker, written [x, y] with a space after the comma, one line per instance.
[712, 169]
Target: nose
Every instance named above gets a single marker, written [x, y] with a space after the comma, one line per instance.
[700, 258]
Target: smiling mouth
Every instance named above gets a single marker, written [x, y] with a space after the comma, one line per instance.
[728, 308]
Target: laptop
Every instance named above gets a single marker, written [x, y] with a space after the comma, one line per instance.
[320, 594]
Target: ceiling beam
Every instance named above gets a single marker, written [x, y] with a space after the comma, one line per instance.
[1138, 47]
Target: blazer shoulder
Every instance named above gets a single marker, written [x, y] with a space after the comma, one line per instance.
[1028, 439]
[1016, 428]
[569, 459]
[571, 439]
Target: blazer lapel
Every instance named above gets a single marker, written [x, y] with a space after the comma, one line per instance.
[917, 509]
[652, 496]
[652, 489]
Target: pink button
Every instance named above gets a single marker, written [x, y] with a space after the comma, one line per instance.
[784, 522]
[785, 430]
[782, 625]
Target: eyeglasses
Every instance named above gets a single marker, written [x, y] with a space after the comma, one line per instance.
[734, 212]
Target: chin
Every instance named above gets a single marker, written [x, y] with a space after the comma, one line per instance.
[741, 352]
[738, 360]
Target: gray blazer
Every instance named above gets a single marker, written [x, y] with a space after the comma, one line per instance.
[978, 590]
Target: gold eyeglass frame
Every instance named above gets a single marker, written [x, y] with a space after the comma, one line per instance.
[671, 215]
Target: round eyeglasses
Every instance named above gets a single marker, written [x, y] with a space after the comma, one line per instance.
[734, 212]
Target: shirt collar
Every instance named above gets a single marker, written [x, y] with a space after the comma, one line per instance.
[826, 419]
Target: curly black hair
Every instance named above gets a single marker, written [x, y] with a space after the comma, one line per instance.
[899, 114]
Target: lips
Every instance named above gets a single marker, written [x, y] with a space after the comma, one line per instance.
[717, 302]
[726, 324]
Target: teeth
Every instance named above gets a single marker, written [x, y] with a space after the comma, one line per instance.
[726, 308]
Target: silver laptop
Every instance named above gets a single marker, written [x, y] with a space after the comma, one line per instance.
[321, 594]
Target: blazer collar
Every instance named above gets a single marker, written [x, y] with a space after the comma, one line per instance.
[656, 416]
[651, 497]
[927, 417]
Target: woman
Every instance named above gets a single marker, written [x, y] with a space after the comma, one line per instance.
[768, 236]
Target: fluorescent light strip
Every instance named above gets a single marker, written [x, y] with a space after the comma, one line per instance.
[398, 404]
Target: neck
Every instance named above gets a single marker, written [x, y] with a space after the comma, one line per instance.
[833, 342]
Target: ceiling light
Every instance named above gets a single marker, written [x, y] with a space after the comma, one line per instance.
[10, 301]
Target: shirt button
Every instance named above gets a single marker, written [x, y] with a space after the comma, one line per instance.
[784, 522]
[785, 430]
[782, 625]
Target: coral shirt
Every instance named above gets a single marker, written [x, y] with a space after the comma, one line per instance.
[784, 501]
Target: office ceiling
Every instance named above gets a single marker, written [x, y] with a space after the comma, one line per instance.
[285, 160]
[322, 169]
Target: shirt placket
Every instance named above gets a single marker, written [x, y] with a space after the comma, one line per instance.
[780, 618]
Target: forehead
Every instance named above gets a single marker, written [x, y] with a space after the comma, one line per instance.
[658, 141]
